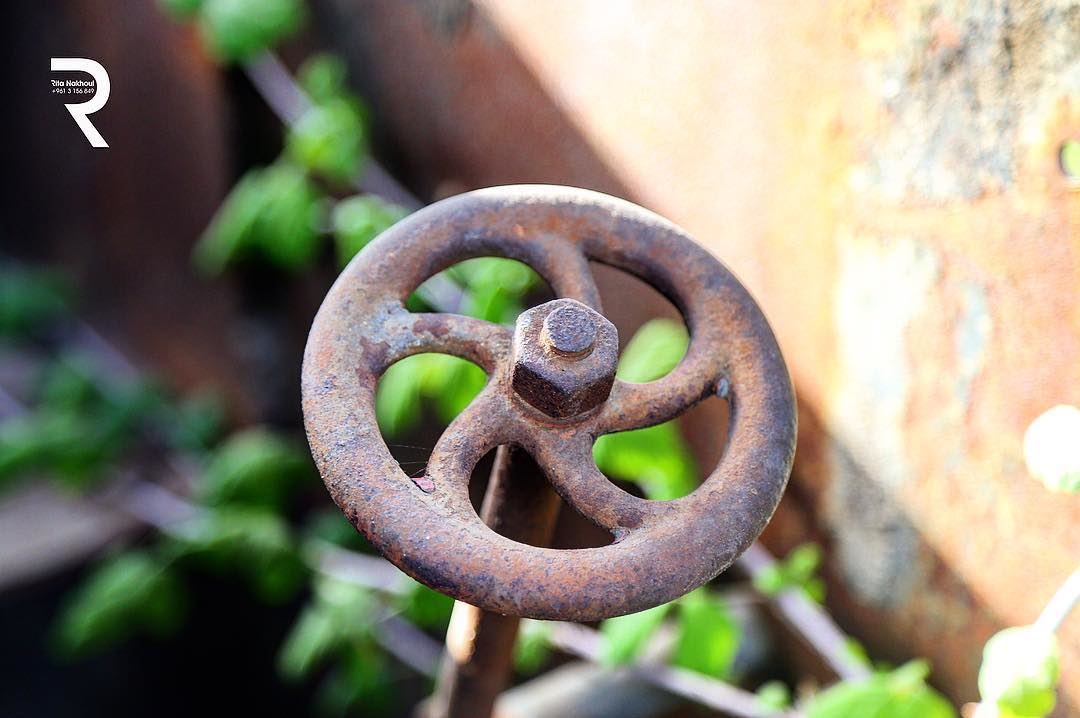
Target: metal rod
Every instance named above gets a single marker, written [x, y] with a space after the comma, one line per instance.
[521, 505]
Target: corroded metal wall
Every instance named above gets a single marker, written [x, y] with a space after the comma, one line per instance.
[885, 177]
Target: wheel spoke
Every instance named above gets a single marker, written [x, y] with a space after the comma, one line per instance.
[566, 269]
[636, 406]
[483, 425]
[479, 341]
[569, 465]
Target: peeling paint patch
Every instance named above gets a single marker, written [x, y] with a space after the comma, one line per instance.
[971, 336]
[882, 286]
[968, 84]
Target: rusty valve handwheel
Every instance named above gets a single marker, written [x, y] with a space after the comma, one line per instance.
[551, 391]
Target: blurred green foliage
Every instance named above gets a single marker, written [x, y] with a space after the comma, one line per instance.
[80, 424]
[136, 591]
[29, 300]
[1052, 448]
[901, 693]
[358, 220]
[532, 649]
[329, 139]
[626, 636]
[238, 30]
[273, 212]
[798, 571]
[656, 458]
[493, 289]
[1019, 672]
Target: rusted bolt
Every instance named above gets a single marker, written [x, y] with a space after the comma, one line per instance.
[570, 331]
[564, 358]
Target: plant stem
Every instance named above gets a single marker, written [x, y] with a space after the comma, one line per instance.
[1061, 604]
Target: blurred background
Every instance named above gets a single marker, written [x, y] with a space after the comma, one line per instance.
[897, 183]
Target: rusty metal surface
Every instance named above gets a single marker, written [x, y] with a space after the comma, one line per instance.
[428, 527]
[520, 505]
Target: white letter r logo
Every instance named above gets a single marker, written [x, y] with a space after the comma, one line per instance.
[79, 110]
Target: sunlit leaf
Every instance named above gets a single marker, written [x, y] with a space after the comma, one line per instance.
[1052, 448]
[796, 571]
[626, 636]
[708, 635]
[272, 213]
[358, 220]
[237, 30]
[329, 139]
[903, 693]
[252, 541]
[655, 349]
[656, 458]
[256, 467]
[774, 695]
[532, 649]
[426, 607]
[1019, 671]
[322, 77]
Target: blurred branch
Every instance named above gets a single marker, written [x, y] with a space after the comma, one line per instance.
[586, 643]
[808, 620]
[1061, 604]
[288, 101]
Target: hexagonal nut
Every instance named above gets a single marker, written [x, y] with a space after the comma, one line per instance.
[564, 357]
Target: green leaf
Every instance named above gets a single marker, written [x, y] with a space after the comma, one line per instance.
[774, 695]
[323, 77]
[1070, 159]
[129, 593]
[29, 300]
[426, 607]
[708, 635]
[358, 220]
[272, 213]
[495, 287]
[1052, 448]
[902, 693]
[655, 349]
[532, 649]
[449, 382]
[181, 9]
[331, 526]
[310, 641]
[656, 458]
[255, 467]
[339, 615]
[1019, 671]
[237, 30]
[360, 679]
[795, 572]
[397, 396]
[252, 541]
[193, 423]
[330, 139]
[626, 636]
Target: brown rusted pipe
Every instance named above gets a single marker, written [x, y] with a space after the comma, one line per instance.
[521, 505]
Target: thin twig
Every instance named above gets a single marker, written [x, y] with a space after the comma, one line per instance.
[586, 643]
[808, 620]
[1061, 604]
[289, 102]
